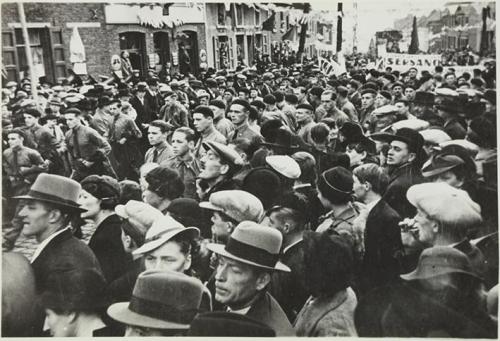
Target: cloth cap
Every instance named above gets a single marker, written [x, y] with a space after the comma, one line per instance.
[434, 136]
[160, 300]
[138, 213]
[440, 260]
[414, 124]
[284, 165]
[236, 204]
[385, 110]
[226, 153]
[444, 203]
[253, 244]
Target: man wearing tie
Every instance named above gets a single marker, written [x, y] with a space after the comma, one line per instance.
[161, 150]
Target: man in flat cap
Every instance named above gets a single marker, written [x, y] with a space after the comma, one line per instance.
[244, 271]
[219, 164]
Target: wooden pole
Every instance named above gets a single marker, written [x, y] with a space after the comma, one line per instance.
[27, 49]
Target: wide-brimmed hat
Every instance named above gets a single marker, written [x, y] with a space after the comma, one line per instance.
[236, 204]
[440, 260]
[105, 101]
[253, 244]
[412, 138]
[162, 230]
[440, 164]
[55, 189]
[352, 132]
[228, 324]
[160, 300]
[424, 98]
[282, 139]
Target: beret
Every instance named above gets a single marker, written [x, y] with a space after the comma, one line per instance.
[368, 91]
[211, 83]
[386, 94]
[284, 165]
[73, 111]
[203, 109]
[202, 93]
[305, 106]
[32, 112]
[269, 99]
[397, 84]
[444, 203]
[218, 103]
[241, 102]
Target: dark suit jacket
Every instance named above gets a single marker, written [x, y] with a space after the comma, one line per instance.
[63, 253]
[401, 179]
[106, 243]
[266, 310]
[383, 246]
[289, 288]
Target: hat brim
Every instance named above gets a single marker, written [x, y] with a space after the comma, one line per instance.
[275, 145]
[120, 211]
[436, 171]
[75, 207]
[121, 313]
[220, 250]
[153, 245]
[415, 276]
[209, 206]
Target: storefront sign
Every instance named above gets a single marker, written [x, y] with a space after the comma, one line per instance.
[402, 61]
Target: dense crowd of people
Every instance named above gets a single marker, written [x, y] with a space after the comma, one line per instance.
[247, 203]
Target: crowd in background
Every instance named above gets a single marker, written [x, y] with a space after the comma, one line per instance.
[263, 201]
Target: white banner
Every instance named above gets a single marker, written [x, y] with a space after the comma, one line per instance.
[403, 61]
[330, 68]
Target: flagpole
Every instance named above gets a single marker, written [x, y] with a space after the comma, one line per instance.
[29, 56]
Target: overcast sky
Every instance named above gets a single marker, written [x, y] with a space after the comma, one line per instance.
[376, 15]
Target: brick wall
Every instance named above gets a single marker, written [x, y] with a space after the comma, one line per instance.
[100, 42]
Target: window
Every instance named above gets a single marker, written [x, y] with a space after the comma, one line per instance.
[134, 43]
[36, 51]
[257, 17]
[239, 15]
[221, 15]
[161, 46]
[9, 56]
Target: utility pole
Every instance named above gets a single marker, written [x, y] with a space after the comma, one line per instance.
[339, 26]
[355, 28]
[27, 48]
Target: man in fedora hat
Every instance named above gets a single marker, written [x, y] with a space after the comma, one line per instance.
[163, 303]
[448, 110]
[404, 161]
[48, 207]
[244, 271]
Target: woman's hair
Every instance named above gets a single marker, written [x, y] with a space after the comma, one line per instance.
[165, 182]
[81, 290]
